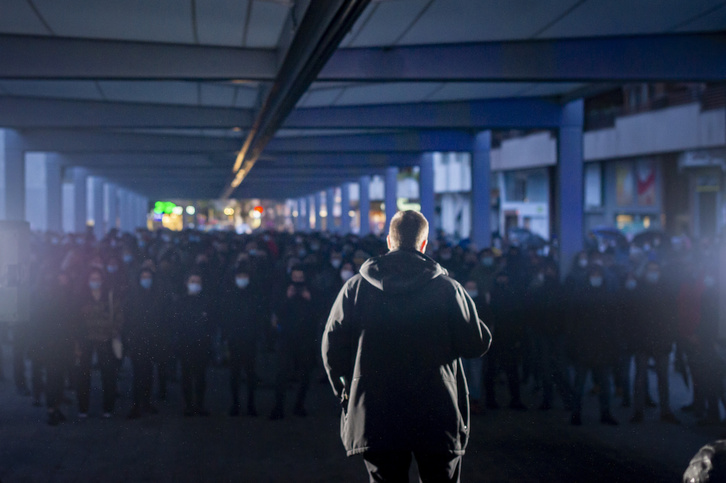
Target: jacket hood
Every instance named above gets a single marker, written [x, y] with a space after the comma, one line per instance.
[401, 271]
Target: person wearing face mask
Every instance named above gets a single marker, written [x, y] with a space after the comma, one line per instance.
[592, 343]
[546, 304]
[508, 315]
[53, 316]
[101, 322]
[627, 304]
[347, 271]
[144, 311]
[656, 329]
[484, 272]
[296, 323]
[706, 365]
[240, 319]
[193, 344]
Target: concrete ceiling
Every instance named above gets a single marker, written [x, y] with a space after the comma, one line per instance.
[136, 82]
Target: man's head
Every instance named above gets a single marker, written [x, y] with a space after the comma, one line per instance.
[409, 229]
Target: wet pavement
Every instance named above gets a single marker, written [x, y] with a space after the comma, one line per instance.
[505, 445]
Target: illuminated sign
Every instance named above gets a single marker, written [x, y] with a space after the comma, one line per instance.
[164, 207]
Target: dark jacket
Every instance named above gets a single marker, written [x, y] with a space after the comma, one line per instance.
[391, 349]
[592, 340]
[144, 327]
[192, 328]
[239, 317]
[655, 322]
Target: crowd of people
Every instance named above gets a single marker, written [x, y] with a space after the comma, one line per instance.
[174, 303]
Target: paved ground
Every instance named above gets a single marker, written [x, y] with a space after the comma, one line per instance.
[505, 446]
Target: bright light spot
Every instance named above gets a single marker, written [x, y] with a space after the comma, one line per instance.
[295, 213]
[178, 210]
[229, 211]
[191, 210]
[255, 214]
[351, 213]
[323, 214]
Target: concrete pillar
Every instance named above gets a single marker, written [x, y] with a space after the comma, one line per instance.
[318, 210]
[330, 207]
[80, 200]
[364, 204]
[426, 190]
[99, 224]
[111, 206]
[12, 176]
[53, 193]
[481, 230]
[391, 195]
[299, 221]
[345, 208]
[569, 188]
[123, 203]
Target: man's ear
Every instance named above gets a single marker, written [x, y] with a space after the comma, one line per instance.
[422, 249]
[388, 241]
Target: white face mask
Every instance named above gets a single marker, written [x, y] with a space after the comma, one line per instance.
[146, 283]
[336, 262]
[194, 288]
[473, 293]
[242, 282]
[346, 275]
[596, 281]
[631, 284]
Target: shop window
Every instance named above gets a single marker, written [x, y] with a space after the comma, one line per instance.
[593, 185]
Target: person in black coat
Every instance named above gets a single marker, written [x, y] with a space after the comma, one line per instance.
[546, 305]
[392, 348]
[654, 333]
[143, 324]
[508, 312]
[193, 343]
[296, 323]
[239, 318]
[592, 343]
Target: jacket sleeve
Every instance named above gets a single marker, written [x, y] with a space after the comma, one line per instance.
[337, 343]
[472, 337]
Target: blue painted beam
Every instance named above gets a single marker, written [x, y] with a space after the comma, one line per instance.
[646, 58]
[31, 112]
[314, 160]
[512, 113]
[41, 57]
[409, 141]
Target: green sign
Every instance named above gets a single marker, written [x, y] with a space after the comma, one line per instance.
[164, 207]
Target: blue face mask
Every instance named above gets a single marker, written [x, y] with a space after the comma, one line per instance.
[194, 288]
[146, 283]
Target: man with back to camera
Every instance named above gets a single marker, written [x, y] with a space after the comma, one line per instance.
[392, 349]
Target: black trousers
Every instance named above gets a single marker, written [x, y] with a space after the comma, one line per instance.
[241, 357]
[143, 368]
[194, 381]
[107, 364]
[393, 466]
[294, 361]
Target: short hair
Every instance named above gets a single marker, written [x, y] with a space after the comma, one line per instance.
[409, 229]
[708, 465]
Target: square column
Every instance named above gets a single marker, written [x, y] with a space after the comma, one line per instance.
[345, 208]
[53, 193]
[99, 225]
[111, 206]
[80, 200]
[12, 176]
[570, 184]
[124, 198]
[364, 204]
[318, 209]
[312, 213]
[391, 195]
[329, 207]
[426, 190]
[481, 230]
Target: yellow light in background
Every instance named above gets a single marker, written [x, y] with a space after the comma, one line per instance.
[646, 222]
[178, 210]
[191, 210]
[323, 214]
[351, 213]
[295, 213]
[229, 211]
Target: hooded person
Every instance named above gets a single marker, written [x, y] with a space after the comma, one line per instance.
[392, 348]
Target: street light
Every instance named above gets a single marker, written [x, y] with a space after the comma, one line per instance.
[191, 210]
